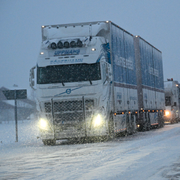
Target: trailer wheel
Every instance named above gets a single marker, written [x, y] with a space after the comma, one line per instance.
[160, 121]
[49, 142]
[148, 123]
[133, 117]
[130, 124]
[176, 120]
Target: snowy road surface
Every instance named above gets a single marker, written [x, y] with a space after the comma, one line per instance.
[145, 155]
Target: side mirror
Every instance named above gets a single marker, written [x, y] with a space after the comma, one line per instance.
[32, 73]
[32, 83]
[31, 78]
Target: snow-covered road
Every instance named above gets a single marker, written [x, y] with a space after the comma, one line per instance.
[144, 155]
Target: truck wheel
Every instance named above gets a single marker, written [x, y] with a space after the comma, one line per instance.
[111, 127]
[49, 142]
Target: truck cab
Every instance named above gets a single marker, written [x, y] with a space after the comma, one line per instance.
[73, 83]
[172, 101]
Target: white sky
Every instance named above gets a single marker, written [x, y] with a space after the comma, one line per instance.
[157, 21]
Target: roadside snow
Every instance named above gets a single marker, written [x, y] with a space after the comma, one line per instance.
[145, 155]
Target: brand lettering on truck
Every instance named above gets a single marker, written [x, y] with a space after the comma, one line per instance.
[126, 63]
[66, 61]
[153, 71]
[67, 52]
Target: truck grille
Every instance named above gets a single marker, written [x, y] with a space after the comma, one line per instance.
[68, 110]
[68, 106]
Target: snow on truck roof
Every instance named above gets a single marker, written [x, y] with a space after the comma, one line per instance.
[73, 30]
[84, 29]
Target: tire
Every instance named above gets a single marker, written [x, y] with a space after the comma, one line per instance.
[111, 127]
[160, 121]
[148, 127]
[49, 142]
[129, 125]
[133, 124]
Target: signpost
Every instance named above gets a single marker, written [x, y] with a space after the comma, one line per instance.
[14, 95]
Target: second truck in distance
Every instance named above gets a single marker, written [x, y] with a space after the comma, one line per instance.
[172, 101]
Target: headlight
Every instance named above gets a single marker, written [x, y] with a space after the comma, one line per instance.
[167, 113]
[98, 121]
[43, 124]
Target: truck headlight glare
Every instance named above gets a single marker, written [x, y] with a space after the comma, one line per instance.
[43, 124]
[167, 113]
[98, 121]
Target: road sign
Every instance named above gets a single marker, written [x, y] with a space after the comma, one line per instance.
[15, 94]
[10, 94]
[21, 94]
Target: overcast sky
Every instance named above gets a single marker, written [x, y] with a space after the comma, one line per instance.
[157, 21]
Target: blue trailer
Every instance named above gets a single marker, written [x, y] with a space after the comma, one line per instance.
[137, 81]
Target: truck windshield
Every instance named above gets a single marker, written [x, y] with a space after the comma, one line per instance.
[68, 73]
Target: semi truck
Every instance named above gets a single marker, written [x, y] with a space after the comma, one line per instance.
[95, 79]
[172, 101]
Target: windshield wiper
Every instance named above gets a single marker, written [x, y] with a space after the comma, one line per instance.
[62, 83]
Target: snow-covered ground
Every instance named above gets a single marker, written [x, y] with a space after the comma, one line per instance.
[144, 155]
